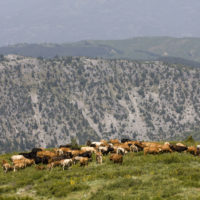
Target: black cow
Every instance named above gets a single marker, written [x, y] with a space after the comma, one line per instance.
[87, 154]
[123, 140]
[65, 146]
[177, 148]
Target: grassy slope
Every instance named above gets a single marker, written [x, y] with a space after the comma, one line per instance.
[166, 176]
[153, 47]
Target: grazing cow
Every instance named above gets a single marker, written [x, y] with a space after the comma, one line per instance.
[101, 149]
[51, 165]
[29, 162]
[46, 153]
[6, 166]
[106, 150]
[180, 144]
[44, 160]
[58, 158]
[19, 165]
[87, 154]
[96, 144]
[123, 140]
[32, 154]
[178, 148]
[115, 141]
[25, 161]
[121, 151]
[99, 158]
[66, 163]
[83, 161]
[35, 150]
[134, 148]
[17, 157]
[152, 150]
[116, 158]
[65, 146]
[76, 159]
[192, 150]
[165, 148]
[139, 145]
[91, 149]
[104, 142]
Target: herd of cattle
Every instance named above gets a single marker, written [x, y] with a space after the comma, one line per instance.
[67, 155]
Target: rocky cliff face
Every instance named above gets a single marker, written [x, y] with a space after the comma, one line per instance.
[46, 102]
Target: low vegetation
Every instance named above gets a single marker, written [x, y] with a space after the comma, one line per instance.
[153, 177]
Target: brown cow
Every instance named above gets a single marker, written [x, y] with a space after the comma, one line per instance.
[19, 165]
[192, 150]
[42, 154]
[83, 161]
[6, 166]
[165, 148]
[99, 158]
[116, 158]
[114, 141]
[152, 150]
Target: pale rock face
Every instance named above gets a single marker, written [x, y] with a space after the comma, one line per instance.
[46, 102]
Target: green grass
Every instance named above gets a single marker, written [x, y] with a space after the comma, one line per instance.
[154, 177]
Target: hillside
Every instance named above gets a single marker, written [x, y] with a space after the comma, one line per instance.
[150, 177]
[186, 50]
[46, 102]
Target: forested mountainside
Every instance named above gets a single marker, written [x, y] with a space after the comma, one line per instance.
[174, 50]
[46, 102]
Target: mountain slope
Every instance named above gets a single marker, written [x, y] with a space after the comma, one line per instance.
[45, 102]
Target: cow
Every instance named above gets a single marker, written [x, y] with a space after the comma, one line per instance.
[66, 163]
[134, 148]
[178, 148]
[121, 151]
[96, 144]
[116, 158]
[152, 150]
[192, 150]
[17, 157]
[87, 154]
[76, 159]
[165, 148]
[83, 161]
[114, 141]
[51, 165]
[180, 144]
[65, 146]
[35, 150]
[19, 165]
[91, 149]
[99, 158]
[46, 153]
[123, 140]
[58, 158]
[6, 166]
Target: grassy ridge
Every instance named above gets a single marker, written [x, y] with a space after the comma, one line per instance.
[166, 176]
[139, 48]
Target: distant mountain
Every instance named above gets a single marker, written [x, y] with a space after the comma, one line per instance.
[46, 102]
[173, 50]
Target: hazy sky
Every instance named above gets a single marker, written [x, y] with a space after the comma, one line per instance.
[73, 20]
